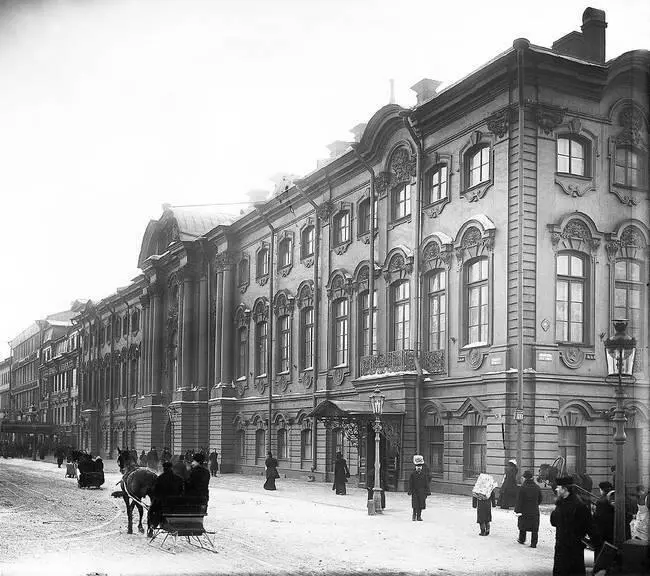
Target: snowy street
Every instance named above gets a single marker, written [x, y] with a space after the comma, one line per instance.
[48, 525]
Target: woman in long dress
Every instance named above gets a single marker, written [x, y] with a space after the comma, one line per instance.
[271, 465]
[341, 474]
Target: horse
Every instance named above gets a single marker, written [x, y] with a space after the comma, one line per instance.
[136, 483]
[548, 474]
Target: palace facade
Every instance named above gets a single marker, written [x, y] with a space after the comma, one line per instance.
[466, 257]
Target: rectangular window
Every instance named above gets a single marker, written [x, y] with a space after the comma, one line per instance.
[241, 444]
[242, 352]
[474, 451]
[570, 156]
[341, 228]
[341, 331]
[569, 298]
[305, 447]
[479, 166]
[260, 446]
[282, 444]
[307, 340]
[283, 343]
[307, 244]
[402, 202]
[260, 348]
[573, 448]
[438, 184]
[477, 302]
[437, 307]
[285, 254]
[436, 443]
[365, 324]
[628, 296]
[401, 313]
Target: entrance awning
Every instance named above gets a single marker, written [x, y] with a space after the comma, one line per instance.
[27, 428]
[351, 408]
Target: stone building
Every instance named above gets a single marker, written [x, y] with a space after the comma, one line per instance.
[5, 383]
[499, 225]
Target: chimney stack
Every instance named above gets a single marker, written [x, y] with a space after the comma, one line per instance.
[425, 89]
[593, 31]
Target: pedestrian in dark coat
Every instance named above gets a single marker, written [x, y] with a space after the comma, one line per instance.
[214, 462]
[143, 458]
[271, 465]
[198, 482]
[152, 458]
[167, 486]
[484, 512]
[603, 520]
[528, 501]
[418, 488]
[572, 520]
[341, 474]
[509, 488]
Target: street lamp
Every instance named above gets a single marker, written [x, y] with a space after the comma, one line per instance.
[620, 350]
[31, 414]
[377, 404]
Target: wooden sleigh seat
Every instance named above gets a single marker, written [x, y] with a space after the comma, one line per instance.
[184, 518]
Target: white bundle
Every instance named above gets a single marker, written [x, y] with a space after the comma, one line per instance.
[484, 486]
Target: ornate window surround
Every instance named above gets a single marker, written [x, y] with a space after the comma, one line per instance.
[572, 184]
[307, 260]
[263, 251]
[364, 235]
[304, 299]
[284, 306]
[577, 233]
[285, 237]
[438, 160]
[477, 139]
[260, 314]
[242, 321]
[398, 264]
[340, 210]
[633, 124]
[338, 287]
[469, 248]
[244, 275]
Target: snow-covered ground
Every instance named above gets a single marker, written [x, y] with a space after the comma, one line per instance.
[49, 526]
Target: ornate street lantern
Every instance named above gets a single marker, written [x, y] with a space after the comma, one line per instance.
[377, 405]
[620, 349]
[377, 402]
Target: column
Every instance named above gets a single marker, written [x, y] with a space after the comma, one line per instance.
[142, 380]
[224, 261]
[204, 334]
[218, 318]
[156, 339]
[188, 344]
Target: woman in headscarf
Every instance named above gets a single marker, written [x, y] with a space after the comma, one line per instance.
[271, 465]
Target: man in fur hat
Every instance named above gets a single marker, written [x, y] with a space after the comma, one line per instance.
[418, 488]
[528, 501]
[572, 521]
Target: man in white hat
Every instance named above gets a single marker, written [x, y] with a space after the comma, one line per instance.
[418, 488]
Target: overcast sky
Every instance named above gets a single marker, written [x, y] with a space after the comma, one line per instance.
[108, 109]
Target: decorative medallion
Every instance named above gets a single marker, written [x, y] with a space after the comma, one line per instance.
[282, 383]
[262, 280]
[260, 385]
[632, 121]
[308, 379]
[342, 248]
[572, 357]
[475, 358]
[383, 182]
[402, 166]
[436, 209]
[573, 189]
[308, 262]
[545, 324]
[548, 120]
[284, 272]
[325, 210]
[498, 123]
[338, 376]
[241, 386]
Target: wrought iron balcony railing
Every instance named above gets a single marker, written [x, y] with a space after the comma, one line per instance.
[433, 362]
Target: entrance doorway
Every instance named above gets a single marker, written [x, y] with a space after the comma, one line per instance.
[389, 458]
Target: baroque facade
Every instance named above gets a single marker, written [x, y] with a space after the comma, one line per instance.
[499, 225]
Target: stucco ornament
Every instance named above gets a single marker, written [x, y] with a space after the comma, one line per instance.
[572, 357]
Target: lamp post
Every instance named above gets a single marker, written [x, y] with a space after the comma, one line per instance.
[377, 404]
[620, 350]
[31, 414]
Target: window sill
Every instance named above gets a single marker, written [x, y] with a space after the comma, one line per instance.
[241, 379]
[434, 209]
[576, 176]
[475, 345]
[477, 191]
[399, 221]
[642, 188]
[342, 247]
[261, 375]
[283, 373]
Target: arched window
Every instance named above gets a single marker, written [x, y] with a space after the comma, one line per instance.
[364, 324]
[476, 301]
[364, 216]
[572, 155]
[284, 341]
[436, 309]
[307, 242]
[262, 262]
[243, 272]
[628, 295]
[630, 167]
[307, 338]
[341, 324]
[242, 351]
[284, 253]
[282, 444]
[436, 183]
[341, 227]
[570, 301]
[400, 314]
[477, 165]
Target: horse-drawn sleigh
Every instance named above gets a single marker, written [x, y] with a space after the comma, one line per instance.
[582, 483]
[91, 471]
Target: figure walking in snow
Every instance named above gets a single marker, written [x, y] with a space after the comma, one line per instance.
[271, 465]
[418, 488]
[483, 499]
[528, 501]
[341, 474]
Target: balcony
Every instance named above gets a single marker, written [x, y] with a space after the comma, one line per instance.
[433, 362]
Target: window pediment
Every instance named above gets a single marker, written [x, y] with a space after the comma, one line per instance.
[575, 232]
[630, 241]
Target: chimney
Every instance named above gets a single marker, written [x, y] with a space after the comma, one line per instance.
[425, 89]
[593, 31]
[358, 131]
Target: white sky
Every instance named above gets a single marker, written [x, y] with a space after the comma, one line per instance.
[110, 108]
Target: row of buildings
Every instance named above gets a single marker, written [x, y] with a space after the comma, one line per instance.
[465, 256]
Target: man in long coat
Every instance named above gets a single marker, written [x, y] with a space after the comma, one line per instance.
[152, 458]
[418, 488]
[198, 482]
[572, 521]
[509, 488]
[528, 501]
[168, 485]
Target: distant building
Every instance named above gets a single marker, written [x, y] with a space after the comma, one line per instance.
[466, 257]
[5, 383]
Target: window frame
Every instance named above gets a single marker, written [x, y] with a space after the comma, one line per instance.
[436, 294]
[469, 444]
[585, 145]
[572, 280]
[340, 338]
[282, 446]
[307, 242]
[443, 185]
[395, 306]
[261, 344]
[439, 442]
[262, 263]
[363, 217]
[285, 253]
[242, 352]
[342, 216]
[630, 285]
[642, 169]
[260, 455]
[283, 343]
[364, 323]
[467, 288]
[580, 445]
[470, 154]
[306, 360]
[397, 202]
[306, 447]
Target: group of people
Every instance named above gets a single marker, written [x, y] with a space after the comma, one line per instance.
[172, 489]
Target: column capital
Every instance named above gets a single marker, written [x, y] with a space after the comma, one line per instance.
[224, 260]
[155, 289]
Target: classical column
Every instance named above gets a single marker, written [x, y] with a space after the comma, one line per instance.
[156, 311]
[186, 334]
[225, 263]
[218, 319]
[204, 317]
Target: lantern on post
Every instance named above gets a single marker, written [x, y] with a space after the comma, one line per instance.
[377, 405]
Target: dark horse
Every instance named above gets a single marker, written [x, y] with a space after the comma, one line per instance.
[548, 474]
[136, 483]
